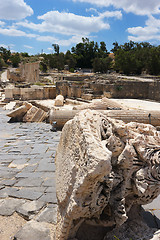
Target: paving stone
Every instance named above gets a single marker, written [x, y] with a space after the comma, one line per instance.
[7, 174]
[5, 192]
[49, 175]
[46, 167]
[29, 194]
[26, 151]
[33, 230]
[8, 182]
[30, 168]
[50, 189]
[8, 206]
[29, 182]
[49, 182]
[18, 164]
[25, 174]
[49, 198]
[34, 160]
[29, 209]
[48, 215]
[1, 187]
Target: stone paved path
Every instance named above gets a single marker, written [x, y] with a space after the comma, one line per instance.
[27, 174]
[27, 178]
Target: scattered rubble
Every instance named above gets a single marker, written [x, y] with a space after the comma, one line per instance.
[105, 170]
[103, 104]
[27, 113]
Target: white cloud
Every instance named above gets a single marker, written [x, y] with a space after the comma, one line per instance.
[139, 7]
[150, 32]
[72, 40]
[3, 45]
[16, 33]
[14, 9]
[68, 23]
[64, 42]
[109, 14]
[47, 39]
[27, 46]
[2, 23]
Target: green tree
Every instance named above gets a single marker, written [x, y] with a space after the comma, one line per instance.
[70, 60]
[5, 54]
[102, 64]
[56, 48]
[43, 66]
[15, 59]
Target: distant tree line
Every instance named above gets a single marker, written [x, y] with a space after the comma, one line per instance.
[11, 59]
[86, 54]
[135, 58]
[129, 58]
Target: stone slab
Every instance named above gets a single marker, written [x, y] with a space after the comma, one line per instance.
[49, 182]
[48, 215]
[48, 198]
[29, 194]
[29, 209]
[29, 182]
[33, 230]
[8, 206]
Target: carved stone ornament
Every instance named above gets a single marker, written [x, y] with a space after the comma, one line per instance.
[104, 168]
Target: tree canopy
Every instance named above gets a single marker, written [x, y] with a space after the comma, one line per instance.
[128, 58]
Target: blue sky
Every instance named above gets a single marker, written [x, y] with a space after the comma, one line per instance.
[33, 25]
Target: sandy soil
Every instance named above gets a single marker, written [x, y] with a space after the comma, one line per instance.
[9, 226]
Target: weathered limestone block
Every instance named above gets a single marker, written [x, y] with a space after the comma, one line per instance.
[103, 104]
[59, 101]
[19, 112]
[104, 167]
[35, 114]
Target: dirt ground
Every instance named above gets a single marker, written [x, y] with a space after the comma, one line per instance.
[9, 226]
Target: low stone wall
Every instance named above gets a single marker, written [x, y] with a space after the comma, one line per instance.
[38, 93]
[119, 89]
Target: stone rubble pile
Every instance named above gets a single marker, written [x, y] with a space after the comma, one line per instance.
[28, 113]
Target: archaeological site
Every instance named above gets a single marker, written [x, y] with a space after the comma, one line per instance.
[80, 155]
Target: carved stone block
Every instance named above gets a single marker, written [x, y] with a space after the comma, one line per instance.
[104, 167]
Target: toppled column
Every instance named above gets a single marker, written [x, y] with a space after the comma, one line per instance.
[104, 168]
[59, 101]
[151, 117]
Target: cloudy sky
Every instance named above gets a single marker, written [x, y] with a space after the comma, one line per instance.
[34, 25]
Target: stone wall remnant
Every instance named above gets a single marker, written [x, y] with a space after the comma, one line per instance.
[104, 168]
[32, 93]
[29, 72]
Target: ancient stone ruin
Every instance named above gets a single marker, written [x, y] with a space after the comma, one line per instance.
[105, 171]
